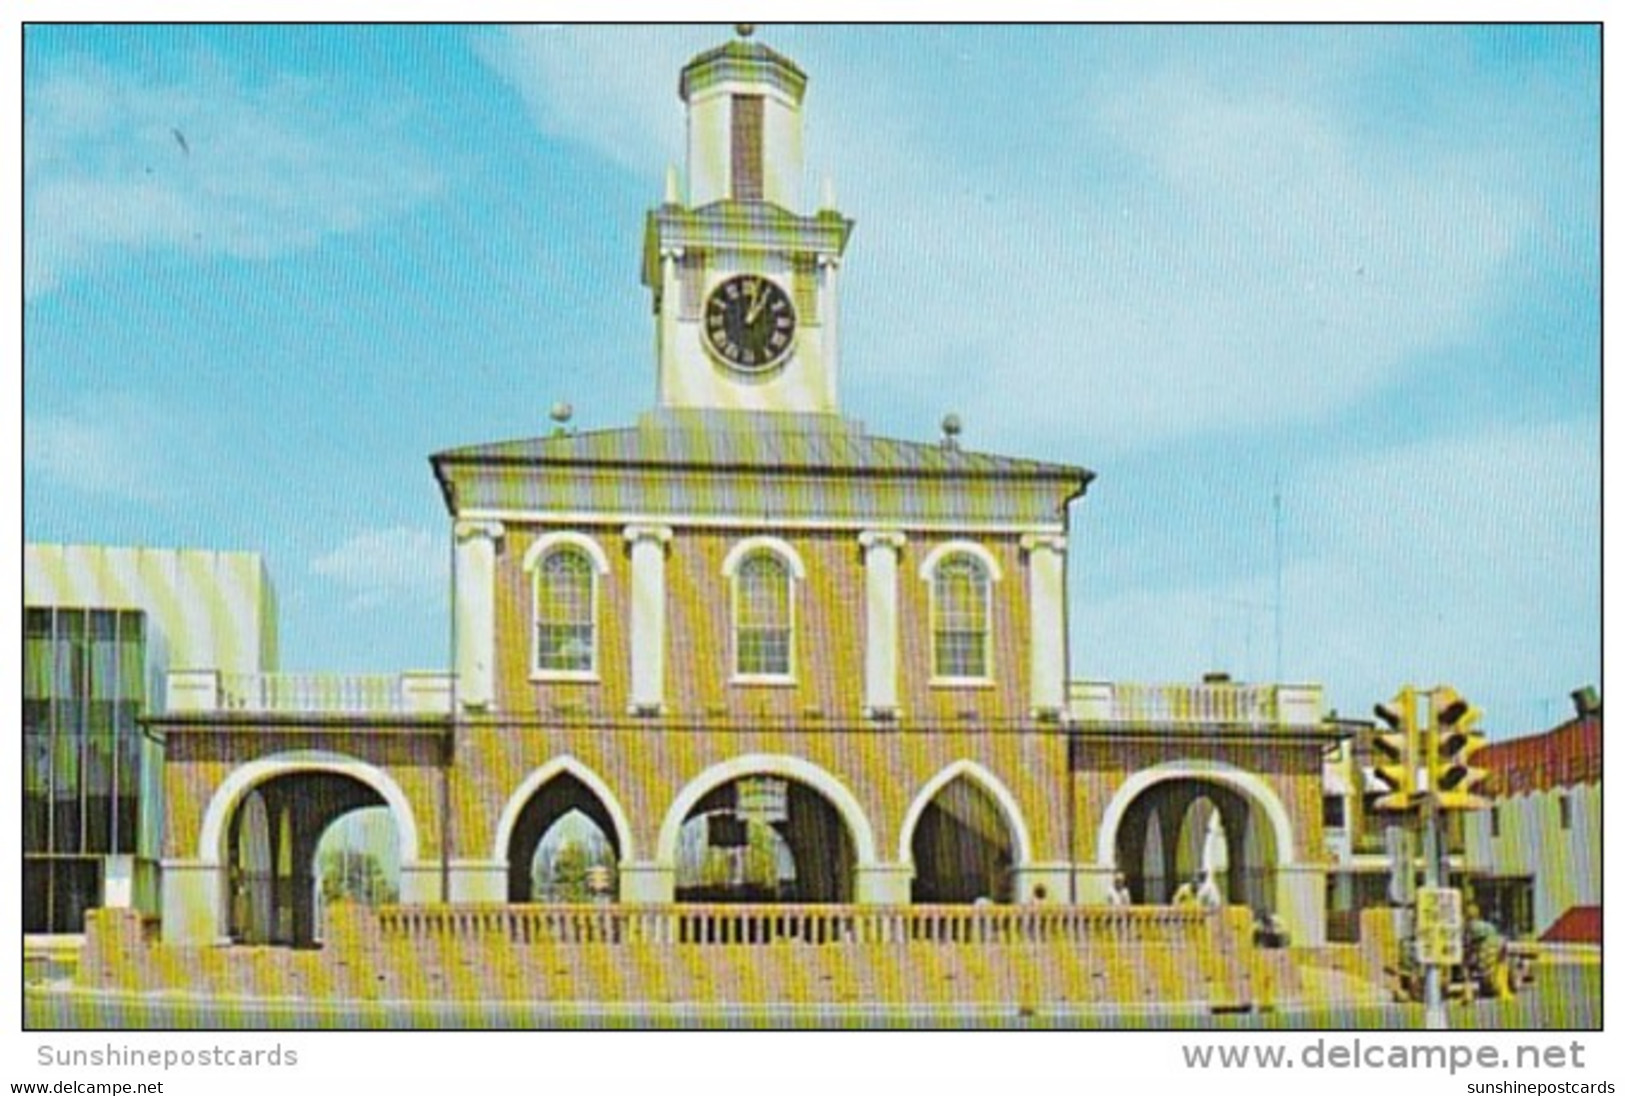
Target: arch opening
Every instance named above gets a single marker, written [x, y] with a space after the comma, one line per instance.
[272, 851]
[564, 845]
[963, 847]
[1184, 829]
[358, 859]
[765, 838]
[575, 861]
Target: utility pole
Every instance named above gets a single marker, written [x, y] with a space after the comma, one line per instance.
[1278, 578]
[1432, 972]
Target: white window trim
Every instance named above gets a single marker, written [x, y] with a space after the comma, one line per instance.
[928, 572]
[549, 541]
[751, 545]
[796, 572]
[933, 558]
[539, 551]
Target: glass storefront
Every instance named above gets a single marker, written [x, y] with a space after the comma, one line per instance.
[84, 686]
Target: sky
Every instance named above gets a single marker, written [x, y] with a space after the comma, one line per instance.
[268, 271]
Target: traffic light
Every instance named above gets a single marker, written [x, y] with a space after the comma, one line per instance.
[1453, 742]
[1396, 751]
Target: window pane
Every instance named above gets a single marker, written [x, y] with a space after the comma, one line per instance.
[36, 717]
[150, 835]
[99, 717]
[70, 655]
[127, 790]
[99, 794]
[564, 612]
[563, 647]
[103, 648]
[76, 886]
[36, 792]
[960, 595]
[764, 651]
[132, 657]
[65, 791]
[37, 649]
[36, 895]
[762, 616]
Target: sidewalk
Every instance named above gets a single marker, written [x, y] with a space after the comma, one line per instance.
[1324, 986]
[1570, 954]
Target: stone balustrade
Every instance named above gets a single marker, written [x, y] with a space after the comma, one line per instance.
[410, 693]
[1209, 704]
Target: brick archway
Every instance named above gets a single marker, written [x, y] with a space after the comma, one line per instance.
[836, 793]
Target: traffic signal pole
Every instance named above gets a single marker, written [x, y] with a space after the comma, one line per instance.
[1432, 853]
[1429, 774]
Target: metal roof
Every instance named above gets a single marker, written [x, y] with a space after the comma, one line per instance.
[753, 442]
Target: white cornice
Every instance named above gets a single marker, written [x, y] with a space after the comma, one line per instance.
[729, 521]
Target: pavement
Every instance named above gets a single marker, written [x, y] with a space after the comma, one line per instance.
[1570, 954]
[1322, 985]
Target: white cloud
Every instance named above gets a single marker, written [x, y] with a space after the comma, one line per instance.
[209, 167]
[1188, 247]
[111, 444]
[388, 567]
[596, 89]
[1260, 268]
[1469, 560]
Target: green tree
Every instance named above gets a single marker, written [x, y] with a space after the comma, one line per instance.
[356, 876]
[569, 872]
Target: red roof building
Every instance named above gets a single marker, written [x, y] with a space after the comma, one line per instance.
[1564, 756]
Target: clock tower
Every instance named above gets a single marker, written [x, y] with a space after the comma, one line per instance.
[743, 281]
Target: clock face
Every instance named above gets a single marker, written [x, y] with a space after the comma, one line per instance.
[750, 323]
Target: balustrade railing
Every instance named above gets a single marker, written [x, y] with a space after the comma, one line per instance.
[1218, 704]
[313, 694]
[788, 925]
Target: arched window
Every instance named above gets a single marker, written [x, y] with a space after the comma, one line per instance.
[566, 613]
[961, 618]
[764, 617]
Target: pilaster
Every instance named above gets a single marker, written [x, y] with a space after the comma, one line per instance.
[880, 652]
[829, 315]
[1046, 597]
[648, 617]
[475, 611]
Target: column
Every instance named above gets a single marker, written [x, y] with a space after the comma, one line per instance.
[880, 551]
[648, 617]
[475, 611]
[1046, 599]
[672, 308]
[829, 342]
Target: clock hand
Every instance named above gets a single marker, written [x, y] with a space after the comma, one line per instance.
[758, 302]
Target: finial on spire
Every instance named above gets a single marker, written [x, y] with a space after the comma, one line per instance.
[745, 30]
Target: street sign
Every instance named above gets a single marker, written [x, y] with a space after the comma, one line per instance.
[1439, 926]
[763, 799]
